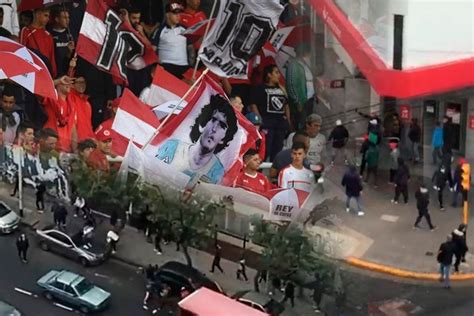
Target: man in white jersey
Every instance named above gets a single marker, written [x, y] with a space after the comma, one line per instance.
[296, 175]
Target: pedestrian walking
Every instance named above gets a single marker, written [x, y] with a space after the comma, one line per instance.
[372, 157]
[59, 214]
[414, 134]
[457, 185]
[437, 143]
[459, 240]
[318, 290]
[22, 245]
[351, 180]
[449, 135]
[422, 201]
[79, 204]
[445, 260]
[158, 238]
[289, 293]
[394, 155]
[402, 176]
[40, 190]
[241, 271]
[440, 177]
[216, 262]
[338, 138]
[112, 240]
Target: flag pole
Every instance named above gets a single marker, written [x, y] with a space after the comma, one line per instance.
[157, 131]
[204, 37]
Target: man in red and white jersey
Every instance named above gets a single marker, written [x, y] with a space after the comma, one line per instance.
[250, 179]
[296, 175]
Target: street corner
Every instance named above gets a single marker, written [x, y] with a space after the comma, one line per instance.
[393, 307]
[332, 238]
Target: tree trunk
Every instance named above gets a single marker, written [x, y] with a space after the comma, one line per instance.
[186, 255]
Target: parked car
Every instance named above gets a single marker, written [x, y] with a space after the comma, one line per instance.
[74, 290]
[8, 310]
[9, 221]
[177, 275]
[72, 246]
[259, 301]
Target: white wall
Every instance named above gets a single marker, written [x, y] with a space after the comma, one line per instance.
[438, 31]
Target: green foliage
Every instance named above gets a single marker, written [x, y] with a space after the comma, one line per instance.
[287, 250]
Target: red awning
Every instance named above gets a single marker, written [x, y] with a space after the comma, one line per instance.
[205, 302]
[386, 81]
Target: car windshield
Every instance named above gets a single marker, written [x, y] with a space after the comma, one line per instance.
[3, 210]
[83, 287]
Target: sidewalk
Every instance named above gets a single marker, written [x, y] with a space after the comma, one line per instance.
[133, 249]
[387, 229]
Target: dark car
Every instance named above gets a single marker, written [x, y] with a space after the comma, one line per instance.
[71, 246]
[177, 275]
[259, 301]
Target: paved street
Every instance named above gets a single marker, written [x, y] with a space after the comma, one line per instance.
[123, 281]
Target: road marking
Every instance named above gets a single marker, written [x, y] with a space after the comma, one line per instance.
[102, 275]
[389, 218]
[23, 291]
[63, 307]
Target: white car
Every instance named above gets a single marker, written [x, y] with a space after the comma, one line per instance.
[9, 221]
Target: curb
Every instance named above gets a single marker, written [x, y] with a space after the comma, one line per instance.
[380, 268]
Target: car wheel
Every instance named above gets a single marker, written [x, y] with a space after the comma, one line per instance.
[84, 262]
[84, 309]
[44, 246]
[48, 296]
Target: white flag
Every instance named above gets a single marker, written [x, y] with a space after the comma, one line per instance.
[241, 28]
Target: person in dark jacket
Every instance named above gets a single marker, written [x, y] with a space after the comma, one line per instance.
[40, 190]
[459, 239]
[351, 180]
[372, 157]
[440, 177]
[241, 271]
[422, 201]
[402, 176]
[289, 293]
[216, 262]
[445, 259]
[339, 137]
[449, 135]
[414, 134]
[22, 245]
[457, 187]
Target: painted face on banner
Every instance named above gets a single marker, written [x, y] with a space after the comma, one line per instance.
[214, 131]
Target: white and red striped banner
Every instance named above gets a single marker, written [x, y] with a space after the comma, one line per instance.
[111, 44]
[133, 120]
[164, 88]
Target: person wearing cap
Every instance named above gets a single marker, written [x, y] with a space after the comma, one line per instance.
[98, 157]
[250, 178]
[339, 137]
[173, 49]
[260, 144]
[317, 141]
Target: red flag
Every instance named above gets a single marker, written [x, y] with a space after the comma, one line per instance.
[133, 119]
[164, 88]
[111, 44]
[207, 139]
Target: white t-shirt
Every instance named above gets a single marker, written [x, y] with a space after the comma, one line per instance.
[172, 47]
[302, 179]
[316, 147]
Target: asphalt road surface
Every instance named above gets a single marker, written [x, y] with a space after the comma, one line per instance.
[125, 283]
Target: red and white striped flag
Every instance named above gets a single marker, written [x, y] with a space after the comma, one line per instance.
[133, 120]
[164, 88]
[111, 44]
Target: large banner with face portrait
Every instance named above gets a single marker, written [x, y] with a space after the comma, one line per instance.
[207, 139]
